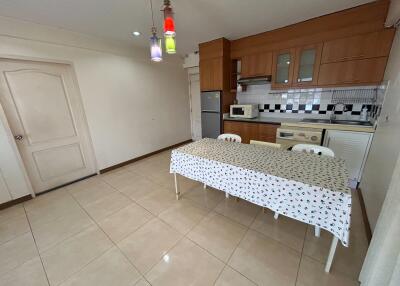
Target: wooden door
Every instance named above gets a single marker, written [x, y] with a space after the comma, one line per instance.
[306, 68]
[45, 114]
[256, 65]
[211, 74]
[367, 71]
[282, 69]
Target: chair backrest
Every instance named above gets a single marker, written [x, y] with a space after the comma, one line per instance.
[230, 137]
[314, 149]
[269, 144]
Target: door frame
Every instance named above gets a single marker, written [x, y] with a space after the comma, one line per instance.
[10, 136]
[192, 71]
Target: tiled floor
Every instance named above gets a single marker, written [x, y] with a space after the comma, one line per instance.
[126, 228]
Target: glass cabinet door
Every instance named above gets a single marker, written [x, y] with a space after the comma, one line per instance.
[283, 63]
[308, 60]
[306, 65]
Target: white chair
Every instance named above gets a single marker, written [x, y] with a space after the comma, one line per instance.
[313, 149]
[230, 138]
[263, 143]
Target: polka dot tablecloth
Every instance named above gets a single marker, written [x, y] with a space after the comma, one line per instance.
[306, 187]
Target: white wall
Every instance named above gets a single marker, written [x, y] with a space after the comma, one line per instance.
[133, 106]
[385, 146]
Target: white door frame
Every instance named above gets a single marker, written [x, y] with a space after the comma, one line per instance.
[10, 136]
[191, 71]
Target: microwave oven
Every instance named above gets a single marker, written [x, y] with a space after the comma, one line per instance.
[244, 110]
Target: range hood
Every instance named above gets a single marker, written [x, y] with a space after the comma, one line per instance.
[254, 80]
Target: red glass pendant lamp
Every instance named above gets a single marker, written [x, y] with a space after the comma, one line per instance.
[169, 22]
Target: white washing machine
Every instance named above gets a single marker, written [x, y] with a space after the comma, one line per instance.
[290, 136]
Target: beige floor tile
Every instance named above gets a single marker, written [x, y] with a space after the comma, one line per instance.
[123, 222]
[11, 212]
[16, 252]
[112, 268]
[218, 234]
[52, 232]
[208, 198]
[312, 273]
[230, 277]
[158, 201]
[265, 261]
[241, 211]
[30, 273]
[119, 178]
[286, 230]
[69, 256]
[186, 264]
[50, 206]
[13, 227]
[142, 282]
[106, 206]
[183, 215]
[146, 246]
[140, 188]
[90, 193]
[347, 260]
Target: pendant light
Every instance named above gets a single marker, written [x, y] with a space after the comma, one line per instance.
[155, 42]
[170, 46]
[169, 22]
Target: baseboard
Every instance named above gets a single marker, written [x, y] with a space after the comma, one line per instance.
[367, 226]
[15, 202]
[108, 169]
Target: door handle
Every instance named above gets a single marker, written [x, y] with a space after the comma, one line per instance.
[18, 137]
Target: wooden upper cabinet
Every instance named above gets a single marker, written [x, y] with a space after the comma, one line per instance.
[306, 68]
[282, 68]
[211, 74]
[356, 72]
[256, 65]
[363, 46]
[215, 65]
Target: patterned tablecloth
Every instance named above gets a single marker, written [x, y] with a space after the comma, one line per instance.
[306, 187]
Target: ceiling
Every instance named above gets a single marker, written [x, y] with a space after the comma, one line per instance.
[196, 20]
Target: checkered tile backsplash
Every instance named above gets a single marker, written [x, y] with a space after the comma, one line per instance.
[353, 109]
[318, 102]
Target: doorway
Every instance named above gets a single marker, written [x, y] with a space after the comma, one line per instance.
[43, 108]
[195, 106]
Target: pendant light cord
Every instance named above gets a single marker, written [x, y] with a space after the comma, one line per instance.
[152, 15]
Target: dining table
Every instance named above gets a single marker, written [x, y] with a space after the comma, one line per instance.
[306, 187]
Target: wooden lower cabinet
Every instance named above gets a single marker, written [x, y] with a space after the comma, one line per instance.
[252, 131]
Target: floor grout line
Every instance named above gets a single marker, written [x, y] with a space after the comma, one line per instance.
[37, 249]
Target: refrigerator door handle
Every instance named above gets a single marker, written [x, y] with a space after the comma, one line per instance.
[210, 111]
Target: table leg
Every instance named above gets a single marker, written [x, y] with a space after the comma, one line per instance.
[204, 186]
[317, 231]
[331, 254]
[176, 187]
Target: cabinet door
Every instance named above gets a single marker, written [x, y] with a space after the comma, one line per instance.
[369, 45]
[247, 131]
[353, 147]
[267, 132]
[307, 62]
[282, 69]
[256, 65]
[367, 71]
[211, 74]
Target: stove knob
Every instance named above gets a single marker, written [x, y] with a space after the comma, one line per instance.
[314, 138]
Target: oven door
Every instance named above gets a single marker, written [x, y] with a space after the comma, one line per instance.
[237, 111]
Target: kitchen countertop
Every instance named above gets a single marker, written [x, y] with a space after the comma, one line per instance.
[296, 122]
[262, 119]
